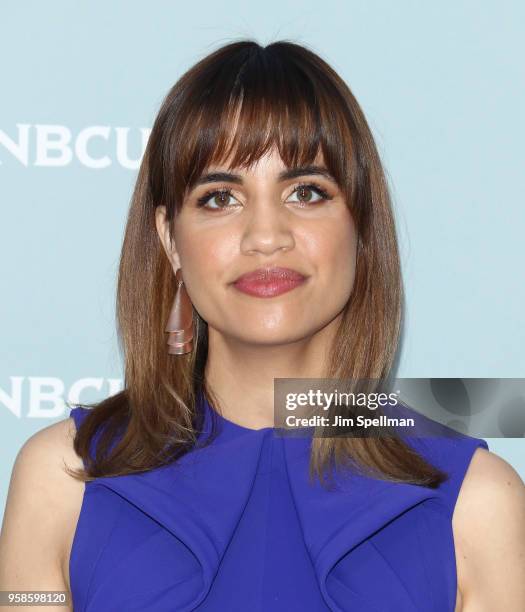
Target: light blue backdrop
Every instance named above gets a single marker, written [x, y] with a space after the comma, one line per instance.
[441, 85]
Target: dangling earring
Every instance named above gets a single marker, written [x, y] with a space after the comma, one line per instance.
[180, 321]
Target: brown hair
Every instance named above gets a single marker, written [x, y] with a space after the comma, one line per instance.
[241, 100]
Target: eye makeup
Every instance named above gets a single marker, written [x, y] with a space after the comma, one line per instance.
[203, 200]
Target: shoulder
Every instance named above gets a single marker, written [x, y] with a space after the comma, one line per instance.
[42, 507]
[489, 530]
[44, 455]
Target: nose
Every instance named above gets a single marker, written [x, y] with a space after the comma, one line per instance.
[267, 230]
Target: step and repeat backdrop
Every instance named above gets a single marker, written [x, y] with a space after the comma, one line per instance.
[442, 87]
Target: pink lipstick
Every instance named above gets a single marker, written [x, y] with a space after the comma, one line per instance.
[269, 282]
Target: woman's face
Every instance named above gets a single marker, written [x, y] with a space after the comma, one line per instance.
[260, 219]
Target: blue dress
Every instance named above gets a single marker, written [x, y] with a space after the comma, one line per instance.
[237, 527]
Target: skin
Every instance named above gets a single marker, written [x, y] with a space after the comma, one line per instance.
[489, 536]
[41, 513]
[251, 341]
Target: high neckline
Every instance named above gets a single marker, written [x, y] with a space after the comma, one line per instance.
[230, 427]
[201, 498]
[226, 426]
[231, 424]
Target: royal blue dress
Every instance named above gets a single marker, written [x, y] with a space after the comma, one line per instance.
[237, 527]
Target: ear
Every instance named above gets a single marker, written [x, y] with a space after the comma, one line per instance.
[163, 232]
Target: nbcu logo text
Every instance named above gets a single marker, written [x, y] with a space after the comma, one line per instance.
[45, 397]
[95, 146]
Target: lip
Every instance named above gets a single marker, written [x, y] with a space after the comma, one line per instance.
[269, 282]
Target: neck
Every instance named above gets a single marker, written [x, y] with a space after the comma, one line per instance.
[242, 374]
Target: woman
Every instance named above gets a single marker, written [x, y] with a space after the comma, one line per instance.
[261, 239]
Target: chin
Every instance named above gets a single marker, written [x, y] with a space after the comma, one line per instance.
[272, 336]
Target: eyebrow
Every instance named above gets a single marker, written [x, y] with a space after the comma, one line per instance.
[213, 177]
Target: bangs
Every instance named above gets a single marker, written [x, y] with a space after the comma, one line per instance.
[249, 99]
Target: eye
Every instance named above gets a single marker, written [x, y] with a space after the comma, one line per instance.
[304, 192]
[218, 196]
[218, 199]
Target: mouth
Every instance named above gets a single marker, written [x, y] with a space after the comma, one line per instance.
[269, 282]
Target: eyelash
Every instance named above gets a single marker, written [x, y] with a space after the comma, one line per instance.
[203, 200]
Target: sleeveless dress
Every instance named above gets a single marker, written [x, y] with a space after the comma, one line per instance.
[238, 527]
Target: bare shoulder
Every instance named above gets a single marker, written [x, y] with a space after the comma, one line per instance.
[42, 508]
[489, 534]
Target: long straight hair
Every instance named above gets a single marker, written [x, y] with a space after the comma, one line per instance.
[241, 100]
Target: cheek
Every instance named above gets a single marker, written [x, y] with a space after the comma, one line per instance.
[208, 261]
[332, 248]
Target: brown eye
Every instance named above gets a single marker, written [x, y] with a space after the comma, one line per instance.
[305, 194]
[310, 193]
[219, 197]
